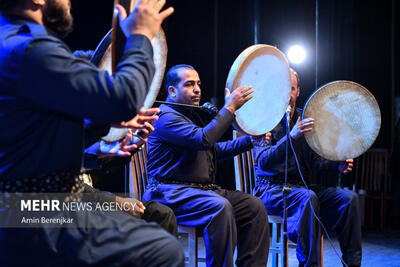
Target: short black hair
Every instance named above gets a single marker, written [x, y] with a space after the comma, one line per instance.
[172, 78]
[7, 5]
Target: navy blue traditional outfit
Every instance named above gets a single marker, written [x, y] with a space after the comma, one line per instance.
[338, 208]
[182, 155]
[45, 94]
[154, 212]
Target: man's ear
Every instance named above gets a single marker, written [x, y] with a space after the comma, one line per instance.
[172, 91]
[298, 91]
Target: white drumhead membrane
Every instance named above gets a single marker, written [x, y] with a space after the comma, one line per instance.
[347, 120]
[266, 69]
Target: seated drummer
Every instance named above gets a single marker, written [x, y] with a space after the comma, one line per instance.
[182, 155]
[338, 208]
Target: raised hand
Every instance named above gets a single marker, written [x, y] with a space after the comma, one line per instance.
[145, 132]
[138, 122]
[301, 127]
[238, 97]
[118, 148]
[127, 146]
[346, 166]
[261, 140]
[145, 18]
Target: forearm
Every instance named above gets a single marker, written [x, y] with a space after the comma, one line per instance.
[229, 149]
[213, 131]
[270, 155]
[77, 88]
[176, 129]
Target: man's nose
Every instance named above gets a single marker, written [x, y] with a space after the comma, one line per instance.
[197, 89]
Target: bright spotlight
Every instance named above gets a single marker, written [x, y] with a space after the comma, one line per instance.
[296, 54]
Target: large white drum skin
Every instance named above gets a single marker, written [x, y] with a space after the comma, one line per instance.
[266, 69]
[347, 120]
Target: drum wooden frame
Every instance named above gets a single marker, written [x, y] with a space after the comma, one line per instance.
[102, 57]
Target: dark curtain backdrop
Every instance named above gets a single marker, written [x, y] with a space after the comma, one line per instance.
[355, 42]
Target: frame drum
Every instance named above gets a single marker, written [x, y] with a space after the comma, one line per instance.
[266, 69]
[103, 59]
[347, 120]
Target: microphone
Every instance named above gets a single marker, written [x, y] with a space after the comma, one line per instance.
[207, 107]
[210, 108]
[287, 113]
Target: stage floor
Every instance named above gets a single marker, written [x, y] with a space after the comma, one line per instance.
[378, 250]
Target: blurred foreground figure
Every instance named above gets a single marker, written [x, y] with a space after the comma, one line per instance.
[45, 95]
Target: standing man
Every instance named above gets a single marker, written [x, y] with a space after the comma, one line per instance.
[338, 208]
[45, 95]
[182, 155]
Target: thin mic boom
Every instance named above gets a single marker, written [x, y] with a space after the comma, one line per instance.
[179, 104]
[207, 107]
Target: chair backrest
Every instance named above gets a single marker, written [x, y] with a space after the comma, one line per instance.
[244, 169]
[371, 171]
[138, 173]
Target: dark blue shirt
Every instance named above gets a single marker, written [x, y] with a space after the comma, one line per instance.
[270, 159]
[182, 149]
[46, 92]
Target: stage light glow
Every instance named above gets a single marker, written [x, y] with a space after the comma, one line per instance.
[296, 54]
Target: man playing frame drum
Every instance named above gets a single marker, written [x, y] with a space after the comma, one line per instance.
[338, 208]
[182, 155]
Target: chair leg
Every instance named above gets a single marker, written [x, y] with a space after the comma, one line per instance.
[284, 249]
[278, 247]
[322, 251]
[275, 245]
[192, 240]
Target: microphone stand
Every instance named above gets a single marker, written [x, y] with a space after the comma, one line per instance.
[285, 192]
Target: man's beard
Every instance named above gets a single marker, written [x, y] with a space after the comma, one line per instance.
[57, 18]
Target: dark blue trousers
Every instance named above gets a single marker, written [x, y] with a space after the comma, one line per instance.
[228, 218]
[338, 209]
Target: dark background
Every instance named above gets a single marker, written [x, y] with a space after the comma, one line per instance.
[357, 40]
